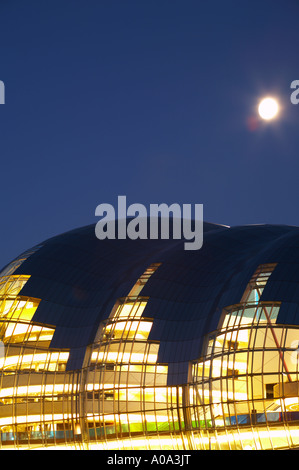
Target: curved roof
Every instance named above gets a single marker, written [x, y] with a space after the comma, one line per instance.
[79, 278]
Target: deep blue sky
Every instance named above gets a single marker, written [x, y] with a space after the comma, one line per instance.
[145, 98]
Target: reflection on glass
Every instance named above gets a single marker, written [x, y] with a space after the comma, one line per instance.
[242, 392]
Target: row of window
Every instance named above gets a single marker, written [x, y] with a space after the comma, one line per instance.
[242, 392]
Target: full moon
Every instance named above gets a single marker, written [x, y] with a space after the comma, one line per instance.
[268, 108]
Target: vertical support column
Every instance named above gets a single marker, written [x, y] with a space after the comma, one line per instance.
[187, 416]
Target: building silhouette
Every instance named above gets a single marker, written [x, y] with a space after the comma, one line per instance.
[139, 344]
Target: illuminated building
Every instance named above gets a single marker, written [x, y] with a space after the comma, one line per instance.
[122, 344]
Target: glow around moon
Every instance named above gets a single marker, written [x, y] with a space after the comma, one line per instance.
[268, 108]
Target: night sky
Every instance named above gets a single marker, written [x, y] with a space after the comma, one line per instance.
[152, 99]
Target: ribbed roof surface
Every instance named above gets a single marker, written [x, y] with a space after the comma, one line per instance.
[79, 278]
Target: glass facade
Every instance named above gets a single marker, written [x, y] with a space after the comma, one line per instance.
[241, 390]
[33, 382]
[245, 388]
